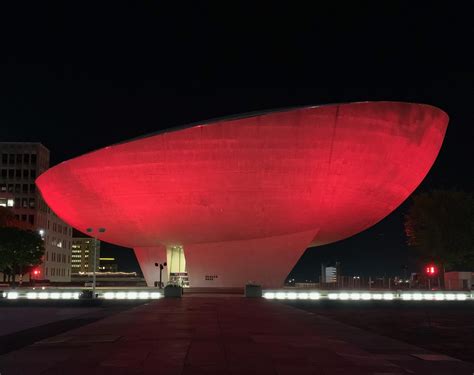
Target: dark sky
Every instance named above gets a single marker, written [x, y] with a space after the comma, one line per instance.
[81, 76]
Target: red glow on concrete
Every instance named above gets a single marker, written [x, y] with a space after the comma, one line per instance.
[320, 174]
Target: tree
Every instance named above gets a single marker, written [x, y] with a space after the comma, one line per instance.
[440, 225]
[19, 250]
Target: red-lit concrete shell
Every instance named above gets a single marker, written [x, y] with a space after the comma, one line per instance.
[246, 196]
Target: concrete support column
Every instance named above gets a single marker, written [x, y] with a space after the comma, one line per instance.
[264, 261]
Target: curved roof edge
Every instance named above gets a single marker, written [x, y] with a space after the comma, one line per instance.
[242, 116]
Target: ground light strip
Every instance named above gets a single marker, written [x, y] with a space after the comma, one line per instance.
[368, 296]
[269, 294]
[70, 295]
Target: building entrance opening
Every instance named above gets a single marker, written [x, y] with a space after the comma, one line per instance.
[176, 262]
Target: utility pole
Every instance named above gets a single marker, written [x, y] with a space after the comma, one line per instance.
[91, 230]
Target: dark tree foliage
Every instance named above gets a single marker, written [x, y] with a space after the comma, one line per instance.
[20, 249]
[440, 225]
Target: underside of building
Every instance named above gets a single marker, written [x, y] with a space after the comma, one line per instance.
[237, 200]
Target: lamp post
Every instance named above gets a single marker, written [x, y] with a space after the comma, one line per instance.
[91, 230]
[161, 265]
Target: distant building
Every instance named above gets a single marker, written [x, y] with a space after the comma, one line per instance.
[82, 257]
[330, 274]
[108, 265]
[459, 280]
[20, 164]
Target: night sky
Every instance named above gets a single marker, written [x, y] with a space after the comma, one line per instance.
[80, 76]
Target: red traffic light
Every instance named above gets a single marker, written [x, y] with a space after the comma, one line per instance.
[431, 270]
[36, 272]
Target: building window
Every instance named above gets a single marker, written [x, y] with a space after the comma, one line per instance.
[17, 188]
[31, 219]
[4, 158]
[18, 174]
[24, 189]
[23, 217]
[26, 158]
[11, 173]
[18, 158]
[4, 173]
[46, 271]
[24, 202]
[12, 159]
[3, 187]
[32, 202]
[47, 255]
[32, 173]
[25, 173]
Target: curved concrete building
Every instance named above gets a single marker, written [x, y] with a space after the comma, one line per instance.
[244, 197]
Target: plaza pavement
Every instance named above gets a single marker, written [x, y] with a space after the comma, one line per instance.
[223, 335]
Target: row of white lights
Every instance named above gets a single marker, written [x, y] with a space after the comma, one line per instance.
[75, 295]
[357, 296]
[131, 295]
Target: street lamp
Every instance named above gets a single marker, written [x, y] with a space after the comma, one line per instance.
[161, 265]
[91, 230]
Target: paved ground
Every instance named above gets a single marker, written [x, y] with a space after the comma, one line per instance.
[446, 327]
[226, 335]
[23, 323]
[19, 318]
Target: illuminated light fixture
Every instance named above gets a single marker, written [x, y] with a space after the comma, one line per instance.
[314, 295]
[120, 295]
[155, 295]
[461, 297]
[388, 296]
[132, 295]
[12, 295]
[355, 296]
[55, 295]
[269, 295]
[407, 297]
[43, 295]
[10, 202]
[377, 296]
[439, 297]
[333, 296]
[303, 295]
[366, 296]
[343, 296]
[450, 296]
[417, 296]
[143, 295]
[75, 295]
[109, 295]
[31, 295]
[428, 296]
[66, 295]
[291, 295]
[280, 295]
